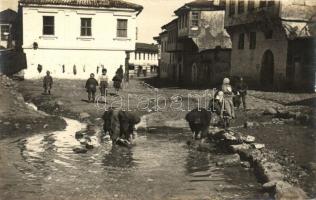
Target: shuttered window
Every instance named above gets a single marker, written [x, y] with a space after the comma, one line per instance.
[121, 28]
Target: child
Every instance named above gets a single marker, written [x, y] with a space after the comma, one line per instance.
[91, 86]
[117, 80]
[47, 83]
[103, 80]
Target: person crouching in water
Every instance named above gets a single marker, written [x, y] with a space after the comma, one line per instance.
[47, 83]
[228, 98]
[103, 81]
[117, 81]
[91, 86]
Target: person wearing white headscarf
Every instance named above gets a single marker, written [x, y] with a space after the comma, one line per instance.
[228, 98]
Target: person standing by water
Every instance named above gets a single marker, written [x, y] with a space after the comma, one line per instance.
[120, 73]
[47, 83]
[242, 89]
[228, 97]
[117, 81]
[103, 82]
[91, 86]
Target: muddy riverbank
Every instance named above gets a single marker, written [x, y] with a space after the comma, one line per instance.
[17, 117]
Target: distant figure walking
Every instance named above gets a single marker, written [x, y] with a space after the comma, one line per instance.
[120, 72]
[47, 83]
[91, 86]
[117, 81]
[242, 90]
[228, 98]
[104, 82]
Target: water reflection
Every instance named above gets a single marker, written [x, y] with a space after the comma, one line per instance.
[119, 157]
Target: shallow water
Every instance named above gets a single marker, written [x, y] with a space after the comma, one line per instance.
[159, 166]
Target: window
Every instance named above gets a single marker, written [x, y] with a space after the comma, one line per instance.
[85, 27]
[121, 28]
[252, 40]
[135, 55]
[144, 56]
[185, 20]
[251, 5]
[271, 2]
[5, 29]
[263, 3]
[241, 42]
[148, 56]
[231, 7]
[139, 56]
[241, 6]
[48, 25]
[195, 19]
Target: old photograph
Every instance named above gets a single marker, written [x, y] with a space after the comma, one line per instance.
[157, 99]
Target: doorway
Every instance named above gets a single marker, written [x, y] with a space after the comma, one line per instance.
[267, 69]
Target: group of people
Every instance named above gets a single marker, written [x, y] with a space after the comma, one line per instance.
[92, 83]
[227, 98]
[103, 82]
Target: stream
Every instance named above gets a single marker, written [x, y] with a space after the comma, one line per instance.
[159, 166]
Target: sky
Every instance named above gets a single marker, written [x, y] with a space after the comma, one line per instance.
[156, 13]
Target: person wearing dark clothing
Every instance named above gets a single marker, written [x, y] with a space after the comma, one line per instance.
[120, 72]
[242, 90]
[117, 82]
[91, 86]
[47, 83]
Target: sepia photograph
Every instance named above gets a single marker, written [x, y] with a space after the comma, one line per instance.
[158, 100]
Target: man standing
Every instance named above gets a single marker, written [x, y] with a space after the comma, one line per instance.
[242, 89]
[47, 83]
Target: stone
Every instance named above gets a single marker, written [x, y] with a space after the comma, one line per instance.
[245, 164]
[59, 103]
[270, 111]
[229, 137]
[229, 160]
[6, 123]
[45, 126]
[284, 191]
[249, 139]
[84, 115]
[83, 141]
[258, 146]
[251, 124]
[269, 185]
[80, 150]
[238, 147]
[89, 146]
[206, 147]
[79, 135]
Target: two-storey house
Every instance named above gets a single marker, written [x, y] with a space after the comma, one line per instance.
[73, 38]
[272, 42]
[206, 45]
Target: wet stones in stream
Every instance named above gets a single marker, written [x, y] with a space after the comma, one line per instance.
[87, 139]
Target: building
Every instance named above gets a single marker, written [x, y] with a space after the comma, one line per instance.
[145, 56]
[198, 45]
[272, 42]
[8, 22]
[73, 38]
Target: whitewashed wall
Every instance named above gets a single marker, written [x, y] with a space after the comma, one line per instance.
[68, 48]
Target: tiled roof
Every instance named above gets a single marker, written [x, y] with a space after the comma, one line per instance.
[199, 4]
[87, 3]
[146, 47]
